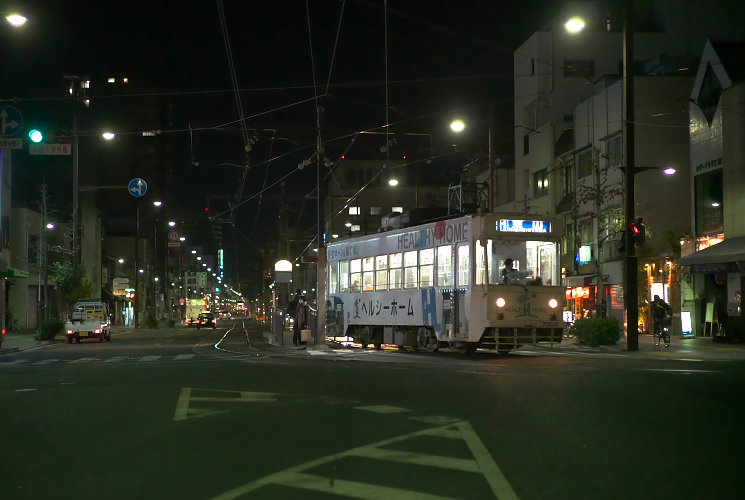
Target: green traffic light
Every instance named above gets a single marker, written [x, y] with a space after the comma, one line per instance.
[35, 135]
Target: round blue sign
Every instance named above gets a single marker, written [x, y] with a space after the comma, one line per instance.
[137, 187]
[11, 120]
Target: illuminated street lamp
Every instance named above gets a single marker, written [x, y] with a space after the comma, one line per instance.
[157, 203]
[121, 261]
[171, 223]
[575, 25]
[50, 225]
[108, 135]
[457, 126]
[16, 20]
[669, 171]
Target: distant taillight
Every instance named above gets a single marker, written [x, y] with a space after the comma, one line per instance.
[69, 331]
[4, 332]
[97, 330]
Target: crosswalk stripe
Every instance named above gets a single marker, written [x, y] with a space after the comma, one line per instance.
[81, 360]
[149, 358]
[115, 359]
[407, 457]
[183, 357]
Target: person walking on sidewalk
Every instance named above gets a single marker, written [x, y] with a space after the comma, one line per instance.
[292, 310]
[301, 322]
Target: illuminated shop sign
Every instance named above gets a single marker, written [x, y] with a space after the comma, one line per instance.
[523, 226]
[585, 254]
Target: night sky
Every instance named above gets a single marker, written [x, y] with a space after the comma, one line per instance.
[445, 58]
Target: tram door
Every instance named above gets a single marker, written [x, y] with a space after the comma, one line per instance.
[454, 300]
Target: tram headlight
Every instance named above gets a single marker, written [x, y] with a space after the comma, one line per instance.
[500, 302]
[553, 303]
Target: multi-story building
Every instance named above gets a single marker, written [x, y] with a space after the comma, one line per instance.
[715, 251]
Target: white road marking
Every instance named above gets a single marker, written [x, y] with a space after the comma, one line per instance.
[184, 411]
[25, 390]
[382, 409]
[681, 370]
[149, 358]
[14, 362]
[116, 359]
[81, 360]
[436, 420]
[481, 463]
[183, 357]
[46, 362]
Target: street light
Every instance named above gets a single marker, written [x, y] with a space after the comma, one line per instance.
[50, 225]
[108, 135]
[121, 261]
[171, 223]
[630, 282]
[457, 126]
[16, 20]
[157, 203]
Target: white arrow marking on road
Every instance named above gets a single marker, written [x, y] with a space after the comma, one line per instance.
[183, 410]
[482, 463]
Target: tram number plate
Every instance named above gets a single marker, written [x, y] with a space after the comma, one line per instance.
[550, 324]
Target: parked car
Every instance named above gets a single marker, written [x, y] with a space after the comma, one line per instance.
[206, 320]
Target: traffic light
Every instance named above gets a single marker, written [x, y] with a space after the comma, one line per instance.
[638, 231]
[35, 135]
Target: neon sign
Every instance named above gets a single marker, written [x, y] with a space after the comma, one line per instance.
[523, 226]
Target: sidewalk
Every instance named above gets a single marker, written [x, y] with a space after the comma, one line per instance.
[20, 341]
[692, 347]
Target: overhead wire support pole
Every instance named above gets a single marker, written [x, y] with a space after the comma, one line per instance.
[630, 292]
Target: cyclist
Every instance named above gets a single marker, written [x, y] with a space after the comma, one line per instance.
[661, 311]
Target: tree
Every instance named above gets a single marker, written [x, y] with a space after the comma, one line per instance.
[606, 196]
[72, 281]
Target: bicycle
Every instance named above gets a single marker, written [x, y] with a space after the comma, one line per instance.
[662, 332]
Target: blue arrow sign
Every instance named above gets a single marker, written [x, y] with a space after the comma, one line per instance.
[10, 120]
[137, 187]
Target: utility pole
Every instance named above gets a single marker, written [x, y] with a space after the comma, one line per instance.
[137, 264]
[630, 292]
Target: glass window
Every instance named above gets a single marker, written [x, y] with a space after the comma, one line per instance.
[396, 272]
[333, 277]
[464, 265]
[426, 267]
[368, 275]
[397, 210]
[344, 276]
[445, 265]
[540, 183]
[355, 266]
[354, 210]
[584, 163]
[381, 272]
[615, 152]
[410, 270]
[480, 264]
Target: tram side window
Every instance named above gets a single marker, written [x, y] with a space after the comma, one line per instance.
[368, 275]
[410, 270]
[464, 265]
[396, 273]
[426, 267]
[480, 264]
[381, 272]
[355, 268]
[344, 276]
[445, 265]
[333, 277]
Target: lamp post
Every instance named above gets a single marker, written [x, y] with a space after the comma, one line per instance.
[459, 126]
[630, 282]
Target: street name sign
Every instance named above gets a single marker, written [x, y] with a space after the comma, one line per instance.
[11, 143]
[50, 149]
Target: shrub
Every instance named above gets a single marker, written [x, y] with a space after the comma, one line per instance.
[597, 331]
[50, 328]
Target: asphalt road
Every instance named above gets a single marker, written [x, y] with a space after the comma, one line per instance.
[166, 414]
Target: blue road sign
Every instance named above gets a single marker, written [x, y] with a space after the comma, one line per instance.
[11, 120]
[137, 187]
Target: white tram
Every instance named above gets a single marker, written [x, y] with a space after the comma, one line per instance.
[445, 283]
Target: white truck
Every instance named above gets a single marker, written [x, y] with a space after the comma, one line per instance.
[89, 319]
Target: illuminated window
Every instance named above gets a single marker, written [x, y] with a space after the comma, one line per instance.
[344, 276]
[540, 183]
[368, 274]
[395, 271]
[445, 265]
[426, 267]
[354, 210]
[464, 265]
[381, 272]
[354, 227]
[480, 264]
[397, 209]
[333, 277]
[111, 80]
[410, 270]
[355, 274]
[125, 80]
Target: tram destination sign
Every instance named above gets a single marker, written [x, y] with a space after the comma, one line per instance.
[523, 226]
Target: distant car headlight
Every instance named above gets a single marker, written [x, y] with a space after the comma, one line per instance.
[553, 303]
[501, 302]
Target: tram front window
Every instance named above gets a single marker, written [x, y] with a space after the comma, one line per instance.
[532, 262]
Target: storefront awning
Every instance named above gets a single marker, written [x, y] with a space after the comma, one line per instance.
[728, 251]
